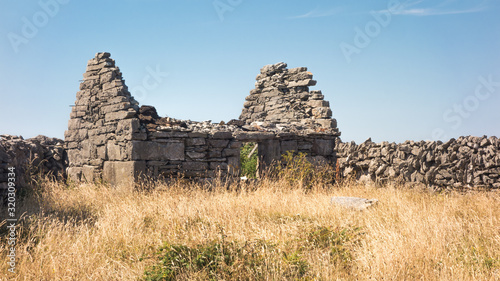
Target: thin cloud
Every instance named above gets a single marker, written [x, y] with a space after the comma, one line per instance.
[317, 13]
[436, 12]
[441, 9]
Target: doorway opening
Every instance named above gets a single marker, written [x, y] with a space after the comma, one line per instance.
[249, 160]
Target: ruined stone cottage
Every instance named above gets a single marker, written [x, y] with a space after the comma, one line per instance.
[110, 137]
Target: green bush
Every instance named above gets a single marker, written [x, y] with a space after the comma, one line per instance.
[297, 170]
[214, 260]
[248, 165]
[339, 242]
[226, 260]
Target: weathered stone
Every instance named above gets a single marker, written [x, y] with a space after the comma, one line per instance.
[253, 136]
[119, 115]
[218, 143]
[230, 152]
[196, 155]
[143, 150]
[194, 166]
[323, 147]
[123, 173]
[355, 203]
[195, 141]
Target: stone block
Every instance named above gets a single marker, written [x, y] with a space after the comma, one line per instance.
[269, 151]
[323, 146]
[230, 152]
[214, 153]
[169, 135]
[222, 135]
[235, 144]
[74, 173]
[148, 150]
[75, 157]
[318, 103]
[115, 107]
[197, 135]
[112, 84]
[195, 141]
[123, 173]
[302, 83]
[114, 151]
[89, 173]
[233, 165]
[119, 115]
[102, 152]
[254, 136]
[196, 155]
[218, 143]
[218, 166]
[322, 112]
[194, 166]
[74, 124]
[290, 145]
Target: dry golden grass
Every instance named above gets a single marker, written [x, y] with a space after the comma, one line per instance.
[96, 232]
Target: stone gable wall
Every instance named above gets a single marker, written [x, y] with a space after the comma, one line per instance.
[282, 97]
[102, 123]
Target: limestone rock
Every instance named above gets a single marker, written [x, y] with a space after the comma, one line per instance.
[355, 203]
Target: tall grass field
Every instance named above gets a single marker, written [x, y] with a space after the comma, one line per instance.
[271, 229]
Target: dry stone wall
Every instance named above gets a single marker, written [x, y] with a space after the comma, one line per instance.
[463, 162]
[36, 155]
[111, 138]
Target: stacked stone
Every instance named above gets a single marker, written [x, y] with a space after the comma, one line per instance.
[36, 155]
[463, 162]
[282, 97]
[205, 150]
[102, 122]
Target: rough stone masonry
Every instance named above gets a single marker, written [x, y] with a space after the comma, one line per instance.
[110, 137]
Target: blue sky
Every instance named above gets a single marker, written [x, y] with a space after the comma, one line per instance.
[392, 70]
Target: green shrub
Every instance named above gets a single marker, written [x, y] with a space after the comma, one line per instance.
[214, 259]
[298, 267]
[226, 260]
[248, 165]
[339, 242]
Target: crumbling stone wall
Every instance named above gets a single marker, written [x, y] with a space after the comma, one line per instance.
[463, 162]
[282, 97]
[206, 150]
[109, 137]
[39, 154]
